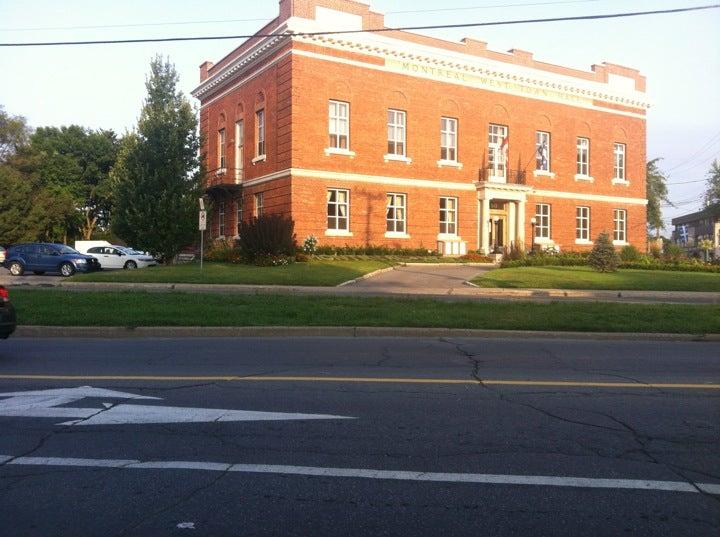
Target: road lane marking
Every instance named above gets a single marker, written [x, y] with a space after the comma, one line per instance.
[364, 473]
[377, 380]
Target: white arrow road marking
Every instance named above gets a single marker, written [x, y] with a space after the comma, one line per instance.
[396, 475]
[45, 404]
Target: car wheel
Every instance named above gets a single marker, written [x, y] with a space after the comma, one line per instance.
[39, 272]
[16, 268]
[67, 269]
[130, 265]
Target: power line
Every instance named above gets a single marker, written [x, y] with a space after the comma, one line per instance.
[474, 8]
[370, 30]
[712, 141]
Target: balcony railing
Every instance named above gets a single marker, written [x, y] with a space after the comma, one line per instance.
[493, 175]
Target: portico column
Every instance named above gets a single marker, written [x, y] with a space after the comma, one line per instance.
[484, 231]
[521, 223]
[512, 237]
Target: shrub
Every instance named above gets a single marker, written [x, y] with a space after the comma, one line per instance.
[603, 257]
[370, 249]
[540, 259]
[674, 253]
[630, 254]
[475, 257]
[270, 235]
[223, 251]
[301, 257]
[516, 252]
[273, 260]
[310, 245]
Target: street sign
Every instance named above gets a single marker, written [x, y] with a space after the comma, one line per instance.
[202, 220]
[46, 404]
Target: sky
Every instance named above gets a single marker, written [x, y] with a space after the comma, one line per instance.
[103, 86]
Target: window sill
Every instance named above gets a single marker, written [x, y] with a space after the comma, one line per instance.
[337, 151]
[449, 164]
[397, 158]
[396, 235]
[621, 243]
[617, 181]
[337, 233]
[497, 179]
[583, 241]
[544, 241]
[260, 158]
[448, 237]
[583, 177]
[543, 173]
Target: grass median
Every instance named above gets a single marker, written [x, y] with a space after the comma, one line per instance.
[586, 278]
[66, 308]
[313, 273]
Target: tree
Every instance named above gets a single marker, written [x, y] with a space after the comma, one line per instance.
[712, 192]
[657, 194]
[156, 180]
[76, 163]
[14, 134]
[603, 256]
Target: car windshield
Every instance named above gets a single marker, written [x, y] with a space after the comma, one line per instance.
[128, 251]
[66, 250]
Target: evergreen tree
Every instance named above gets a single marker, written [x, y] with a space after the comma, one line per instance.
[603, 256]
[657, 194]
[156, 180]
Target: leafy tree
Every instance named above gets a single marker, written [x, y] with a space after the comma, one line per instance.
[14, 134]
[157, 176]
[603, 257]
[75, 162]
[712, 193]
[657, 194]
[16, 203]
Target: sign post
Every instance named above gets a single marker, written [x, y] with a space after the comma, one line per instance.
[202, 226]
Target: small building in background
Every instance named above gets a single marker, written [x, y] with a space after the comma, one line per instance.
[692, 228]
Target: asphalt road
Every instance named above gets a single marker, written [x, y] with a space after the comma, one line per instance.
[407, 437]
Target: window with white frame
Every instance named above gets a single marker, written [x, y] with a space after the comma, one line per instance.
[339, 126]
[221, 148]
[583, 156]
[396, 120]
[239, 148]
[395, 213]
[259, 206]
[239, 212]
[542, 221]
[542, 151]
[582, 223]
[497, 150]
[338, 209]
[448, 215]
[619, 161]
[260, 133]
[221, 218]
[448, 139]
[620, 225]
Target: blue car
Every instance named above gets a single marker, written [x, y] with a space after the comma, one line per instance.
[46, 257]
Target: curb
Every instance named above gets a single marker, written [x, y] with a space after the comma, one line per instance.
[369, 275]
[120, 332]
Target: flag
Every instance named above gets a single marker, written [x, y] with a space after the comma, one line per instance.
[542, 156]
[683, 234]
[504, 149]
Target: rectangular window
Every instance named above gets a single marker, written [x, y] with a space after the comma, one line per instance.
[338, 209]
[542, 221]
[620, 225]
[395, 213]
[239, 149]
[339, 125]
[583, 156]
[260, 132]
[497, 150]
[239, 212]
[396, 132]
[221, 217]
[582, 223]
[221, 148]
[259, 205]
[448, 215]
[619, 164]
[448, 139]
[542, 151]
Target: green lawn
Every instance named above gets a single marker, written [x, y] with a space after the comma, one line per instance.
[62, 307]
[586, 278]
[322, 273]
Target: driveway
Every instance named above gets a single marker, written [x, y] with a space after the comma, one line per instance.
[28, 278]
[422, 277]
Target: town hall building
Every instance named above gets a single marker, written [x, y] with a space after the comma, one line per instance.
[397, 139]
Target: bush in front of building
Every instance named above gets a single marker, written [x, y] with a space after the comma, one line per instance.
[630, 254]
[542, 259]
[223, 251]
[673, 253]
[603, 257]
[267, 240]
[374, 250]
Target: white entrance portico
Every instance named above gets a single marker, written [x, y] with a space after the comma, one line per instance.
[501, 215]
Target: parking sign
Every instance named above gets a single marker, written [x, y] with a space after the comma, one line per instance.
[202, 221]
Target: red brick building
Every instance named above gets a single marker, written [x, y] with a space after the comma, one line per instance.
[403, 140]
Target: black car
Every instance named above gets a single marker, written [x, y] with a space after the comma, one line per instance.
[43, 257]
[7, 314]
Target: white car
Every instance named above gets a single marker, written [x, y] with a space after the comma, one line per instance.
[120, 257]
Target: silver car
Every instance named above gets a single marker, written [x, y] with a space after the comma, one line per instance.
[121, 257]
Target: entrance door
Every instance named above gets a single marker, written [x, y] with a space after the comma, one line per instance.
[499, 233]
